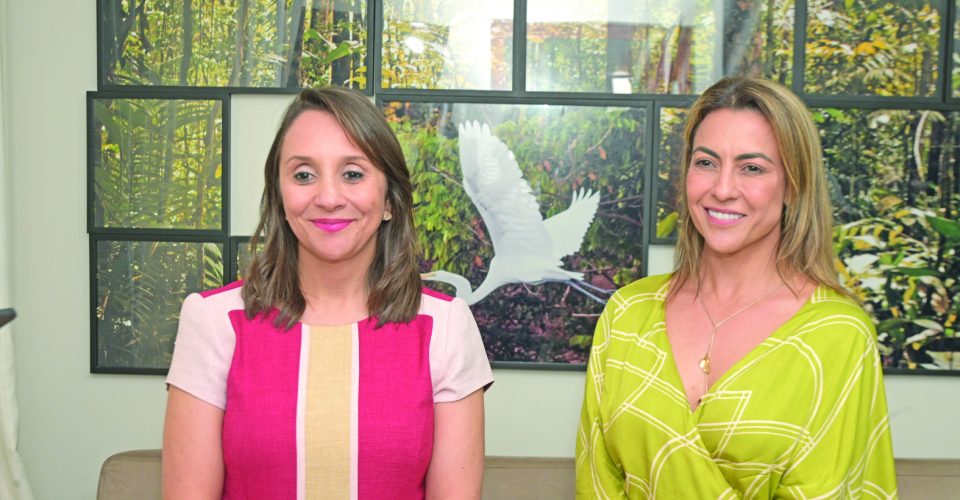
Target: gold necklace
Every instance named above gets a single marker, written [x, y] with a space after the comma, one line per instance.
[704, 363]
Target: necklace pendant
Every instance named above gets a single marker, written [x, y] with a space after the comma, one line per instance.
[704, 364]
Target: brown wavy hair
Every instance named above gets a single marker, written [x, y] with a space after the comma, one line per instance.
[805, 244]
[393, 279]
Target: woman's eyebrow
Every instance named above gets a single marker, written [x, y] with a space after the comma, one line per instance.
[739, 157]
[307, 158]
[707, 151]
[751, 156]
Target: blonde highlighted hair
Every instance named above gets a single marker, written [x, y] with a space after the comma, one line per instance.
[806, 225]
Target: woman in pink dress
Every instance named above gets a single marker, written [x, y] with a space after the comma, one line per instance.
[328, 372]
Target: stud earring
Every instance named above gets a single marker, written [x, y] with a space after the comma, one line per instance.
[387, 215]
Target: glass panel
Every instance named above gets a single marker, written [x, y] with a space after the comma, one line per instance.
[895, 184]
[588, 158]
[258, 43]
[448, 44]
[140, 287]
[873, 47]
[672, 121]
[667, 47]
[158, 164]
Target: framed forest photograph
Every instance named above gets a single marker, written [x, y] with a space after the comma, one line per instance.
[246, 44]
[533, 214]
[896, 231]
[156, 220]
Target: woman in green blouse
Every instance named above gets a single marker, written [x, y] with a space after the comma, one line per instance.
[748, 372]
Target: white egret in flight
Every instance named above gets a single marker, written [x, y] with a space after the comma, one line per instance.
[527, 248]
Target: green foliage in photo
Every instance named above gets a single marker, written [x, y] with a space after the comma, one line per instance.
[560, 150]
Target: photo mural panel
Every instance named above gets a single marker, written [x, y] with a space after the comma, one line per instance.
[873, 47]
[447, 44]
[531, 213]
[655, 47]
[894, 179]
[233, 43]
[157, 163]
[897, 226]
[669, 145]
[140, 286]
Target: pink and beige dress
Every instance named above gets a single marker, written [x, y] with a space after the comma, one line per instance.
[326, 411]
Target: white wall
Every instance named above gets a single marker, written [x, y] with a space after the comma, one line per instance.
[72, 420]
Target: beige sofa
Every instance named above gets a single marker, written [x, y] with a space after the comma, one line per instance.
[136, 475]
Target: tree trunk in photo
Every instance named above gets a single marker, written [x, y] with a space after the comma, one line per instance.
[294, 43]
[115, 25]
[279, 47]
[935, 158]
[246, 58]
[239, 72]
[950, 185]
[911, 178]
[187, 41]
[143, 27]
[340, 69]
[209, 165]
[296, 52]
[663, 64]
[680, 71]
[168, 140]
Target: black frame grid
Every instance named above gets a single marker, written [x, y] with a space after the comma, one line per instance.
[942, 99]
[122, 234]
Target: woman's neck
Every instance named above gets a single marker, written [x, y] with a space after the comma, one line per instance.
[335, 294]
[738, 275]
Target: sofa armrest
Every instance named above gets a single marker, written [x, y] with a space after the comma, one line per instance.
[533, 478]
[130, 474]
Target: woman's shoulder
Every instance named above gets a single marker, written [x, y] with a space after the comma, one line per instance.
[838, 316]
[439, 305]
[829, 302]
[223, 299]
[234, 288]
[655, 285]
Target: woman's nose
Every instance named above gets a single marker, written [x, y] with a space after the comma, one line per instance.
[725, 184]
[328, 195]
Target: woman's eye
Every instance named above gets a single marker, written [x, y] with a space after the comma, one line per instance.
[352, 175]
[302, 176]
[753, 169]
[703, 163]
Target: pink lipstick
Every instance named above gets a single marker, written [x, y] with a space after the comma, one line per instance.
[331, 225]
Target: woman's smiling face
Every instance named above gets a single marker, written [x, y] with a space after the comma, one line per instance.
[736, 183]
[334, 197]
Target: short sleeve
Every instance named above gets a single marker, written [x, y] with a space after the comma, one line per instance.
[458, 360]
[202, 352]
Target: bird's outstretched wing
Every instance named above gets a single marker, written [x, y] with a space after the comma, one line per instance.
[568, 228]
[495, 184]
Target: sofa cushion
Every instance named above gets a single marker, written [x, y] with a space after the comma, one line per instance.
[136, 474]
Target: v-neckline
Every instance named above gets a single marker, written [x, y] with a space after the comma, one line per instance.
[752, 353]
